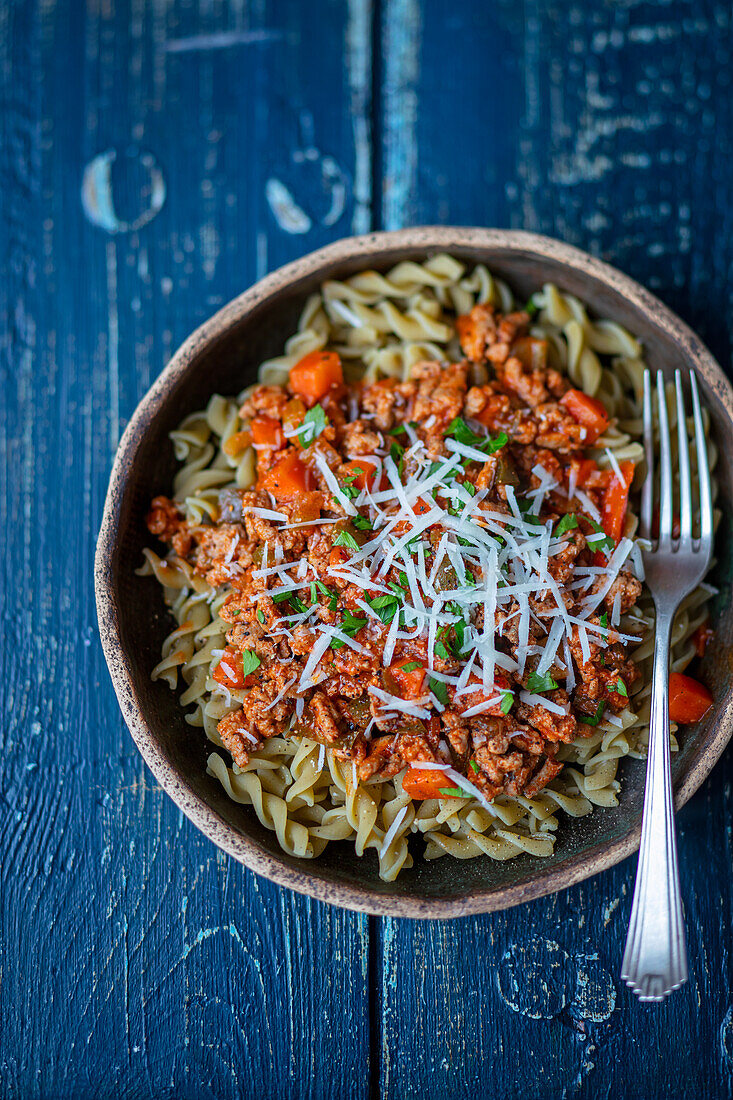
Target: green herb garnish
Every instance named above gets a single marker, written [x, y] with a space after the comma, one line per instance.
[567, 523]
[439, 690]
[345, 538]
[531, 307]
[362, 523]
[474, 765]
[350, 625]
[539, 683]
[460, 431]
[260, 615]
[621, 689]
[314, 421]
[507, 701]
[410, 666]
[594, 719]
[385, 606]
[455, 792]
[600, 540]
[250, 661]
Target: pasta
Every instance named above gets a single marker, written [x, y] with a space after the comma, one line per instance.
[381, 326]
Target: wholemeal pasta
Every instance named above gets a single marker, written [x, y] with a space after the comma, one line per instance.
[388, 332]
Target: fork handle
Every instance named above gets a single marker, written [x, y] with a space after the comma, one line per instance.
[655, 959]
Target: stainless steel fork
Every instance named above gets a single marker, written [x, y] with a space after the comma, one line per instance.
[655, 959]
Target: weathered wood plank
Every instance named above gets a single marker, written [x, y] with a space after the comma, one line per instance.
[609, 126]
[136, 960]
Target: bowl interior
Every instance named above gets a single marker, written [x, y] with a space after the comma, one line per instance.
[227, 361]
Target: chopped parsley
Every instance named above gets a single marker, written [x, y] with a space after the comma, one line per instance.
[401, 428]
[411, 666]
[386, 607]
[460, 431]
[474, 765]
[439, 690]
[600, 540]
[539, 683]
[397, 454]
[348, 488]
[345, 538]
[362, 523]
[454, 792]
[621, 689]
[567, 523]
[507, 701]
[350, 625]
[531, 307]
[280, 597]
[260, 615]
[594, 719]
[314, 422]
[250, 661]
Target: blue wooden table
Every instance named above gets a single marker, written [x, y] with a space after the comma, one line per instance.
[157, 157]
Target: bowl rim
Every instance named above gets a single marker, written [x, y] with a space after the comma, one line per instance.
[243, 848]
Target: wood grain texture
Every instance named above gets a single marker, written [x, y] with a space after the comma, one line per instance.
[156, 158]
[610, 126]
[136, 960]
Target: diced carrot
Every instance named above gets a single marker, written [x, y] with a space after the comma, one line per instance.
[315, 374]
[338, 557]
[615, 501]
[409, 681]
[229, 670]
[288, 477]
[360, 473]
[702, 637]
[588, 411]
[267, 432]
[306, 507]
[689, 700]
[237, 443]
[421, 507]
[421, 783]
[584, 469]
[531, 353]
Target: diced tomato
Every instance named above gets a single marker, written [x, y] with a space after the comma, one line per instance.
[362, 472]
[288, 477]
[588, 411]
[315, 374]
[702, 637]
[229, 670]
[409, 681]
[531, 353]
[267, 432]
[421, 507]
[615, 501]
[689, 700]
[421, 783]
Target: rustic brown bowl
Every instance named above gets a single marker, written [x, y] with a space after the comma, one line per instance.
[222, 356]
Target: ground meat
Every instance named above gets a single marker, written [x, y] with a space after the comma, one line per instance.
[233, 730]
[516, 392]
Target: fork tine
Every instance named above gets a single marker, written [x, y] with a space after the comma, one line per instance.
[703, 470]
[683, 458]
[665, 467]
[647, 489]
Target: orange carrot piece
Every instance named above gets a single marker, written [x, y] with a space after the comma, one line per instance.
[689, 700]
[288, 477]
[315, 374]
[588, 411]
[421, 783]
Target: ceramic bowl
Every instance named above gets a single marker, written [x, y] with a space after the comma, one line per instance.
[222, 356]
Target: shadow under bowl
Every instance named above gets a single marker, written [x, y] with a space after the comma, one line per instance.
[222, 356]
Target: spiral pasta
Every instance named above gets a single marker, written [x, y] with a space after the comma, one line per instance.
[382, 325]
